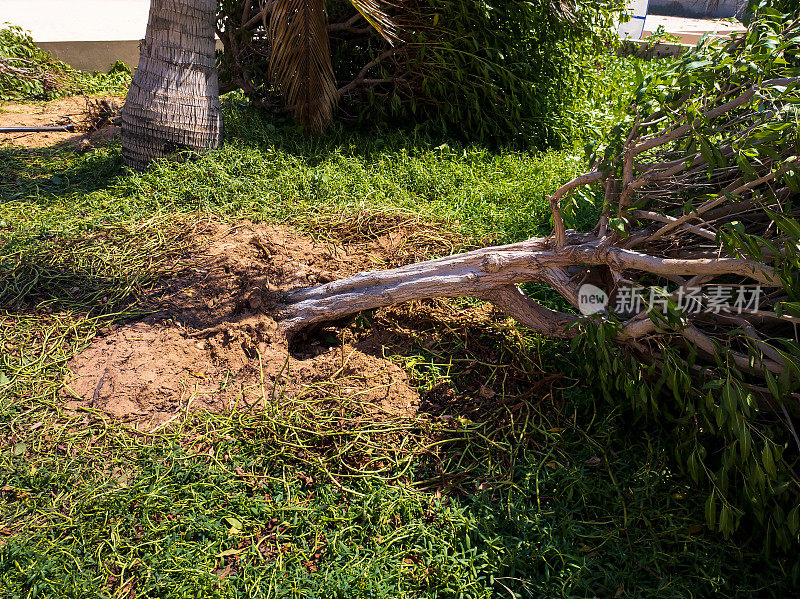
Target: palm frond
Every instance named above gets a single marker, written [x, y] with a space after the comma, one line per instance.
[300, 61]
[374, 15]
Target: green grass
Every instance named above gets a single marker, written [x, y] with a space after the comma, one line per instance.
[102, 510]
[275, 174]
[543, 491]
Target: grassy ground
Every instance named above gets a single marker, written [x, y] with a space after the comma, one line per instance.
[539, 491]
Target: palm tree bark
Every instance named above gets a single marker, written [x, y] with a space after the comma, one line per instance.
[173, 101]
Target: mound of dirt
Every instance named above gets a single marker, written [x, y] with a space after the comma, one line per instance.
[212, 343]
[84, 113]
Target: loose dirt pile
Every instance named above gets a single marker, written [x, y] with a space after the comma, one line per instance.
[87, 114]
[212, 343]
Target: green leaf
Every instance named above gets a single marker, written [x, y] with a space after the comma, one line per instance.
[793, 520]
[235, 524]
[711, 511]
[769, 462]
[772, 383]
[790, 226]
[707, 152]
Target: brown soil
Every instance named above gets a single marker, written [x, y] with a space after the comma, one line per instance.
[76, 110]
[212, 343]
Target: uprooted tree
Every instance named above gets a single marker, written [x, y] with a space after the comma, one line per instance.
[696, 198]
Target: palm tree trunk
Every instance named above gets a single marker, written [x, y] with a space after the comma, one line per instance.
[173, 100]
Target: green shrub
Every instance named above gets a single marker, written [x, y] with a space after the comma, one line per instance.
[29, 73]
[734, 428]
[783, 6]
[500, 73]
[503, 72]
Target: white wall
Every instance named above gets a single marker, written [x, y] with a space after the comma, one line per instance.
[78, 20]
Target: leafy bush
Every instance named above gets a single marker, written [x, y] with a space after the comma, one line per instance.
[503, 72]
[782, 6]
[499, 73]
[29, 73]
[726, 386]
[116, 81]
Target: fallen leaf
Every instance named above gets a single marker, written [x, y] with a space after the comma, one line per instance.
[486, 393]
[229, 552]
[121, 478]
[236, 525]
[224, 573]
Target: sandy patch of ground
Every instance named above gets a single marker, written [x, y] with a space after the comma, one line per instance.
[77, 110]
[213, 344]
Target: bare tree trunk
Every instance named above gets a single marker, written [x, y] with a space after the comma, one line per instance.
[173, 101]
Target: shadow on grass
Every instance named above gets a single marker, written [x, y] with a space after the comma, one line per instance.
[95, 272]
[585, 509]
[519, 482]
[564, 493]
[32, 286]
[260, 128]
[42, 175]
